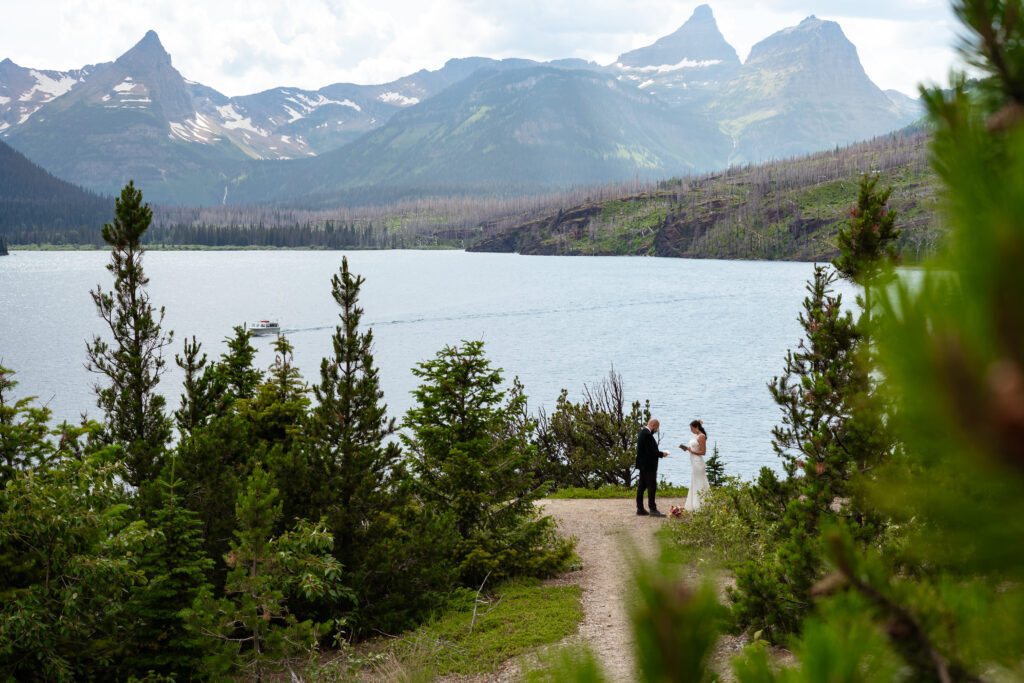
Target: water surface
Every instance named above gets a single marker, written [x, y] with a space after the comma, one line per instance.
[698, 338]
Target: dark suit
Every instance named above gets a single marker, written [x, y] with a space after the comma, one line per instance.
[647, 456]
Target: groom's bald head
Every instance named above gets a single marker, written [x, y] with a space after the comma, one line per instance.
[653, 425]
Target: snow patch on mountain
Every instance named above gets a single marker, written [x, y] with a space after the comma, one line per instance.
[311, 103]
[126, 86]
[198, 129]
[232, 119]
[49, 87]
[664, 68]
[399, 99]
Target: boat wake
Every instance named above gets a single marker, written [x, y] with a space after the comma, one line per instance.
[536, 312]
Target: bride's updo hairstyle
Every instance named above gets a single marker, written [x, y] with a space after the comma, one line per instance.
[699, 425]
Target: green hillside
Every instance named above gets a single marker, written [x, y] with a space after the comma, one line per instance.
[545, 126]
[35, 206]
[778, 210]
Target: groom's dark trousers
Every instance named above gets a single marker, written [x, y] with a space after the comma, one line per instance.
[647, 456]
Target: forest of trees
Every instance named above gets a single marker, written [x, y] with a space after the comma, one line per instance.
[35, 204]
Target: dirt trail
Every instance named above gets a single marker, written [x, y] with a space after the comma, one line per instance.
[610, 537]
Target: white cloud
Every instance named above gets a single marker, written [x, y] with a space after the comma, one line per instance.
[244, 46]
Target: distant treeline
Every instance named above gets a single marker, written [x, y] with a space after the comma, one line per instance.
[328, 235]
[434, 221]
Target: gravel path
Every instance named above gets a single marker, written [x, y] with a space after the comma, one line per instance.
[610, 538]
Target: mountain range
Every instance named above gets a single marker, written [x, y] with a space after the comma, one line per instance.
[683, 104]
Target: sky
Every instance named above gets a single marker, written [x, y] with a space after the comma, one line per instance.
[244, 46]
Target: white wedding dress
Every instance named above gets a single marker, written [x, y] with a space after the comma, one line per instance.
[698, 479]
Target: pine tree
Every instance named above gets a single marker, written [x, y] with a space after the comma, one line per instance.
[350, 421]
[867, 241]
[351, 432]
[133, 364]
[831, 435]
[470, 452]
[253, 627]
[160, 640]
[236, 365]
[277, 422]
[203, 389]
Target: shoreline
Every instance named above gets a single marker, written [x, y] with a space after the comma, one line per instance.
[201, 247]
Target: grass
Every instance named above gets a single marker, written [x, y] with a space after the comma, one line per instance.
[513, 619]
[665, 489]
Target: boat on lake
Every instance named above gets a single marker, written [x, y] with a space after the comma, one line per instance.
[263, 328]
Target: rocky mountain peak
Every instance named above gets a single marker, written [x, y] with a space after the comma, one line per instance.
[148, 63]
[703, 13]
[813, 42]
[698, 40]
[148, 53]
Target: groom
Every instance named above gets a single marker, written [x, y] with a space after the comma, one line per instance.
[647, 455]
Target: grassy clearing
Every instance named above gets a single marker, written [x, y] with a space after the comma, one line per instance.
[665, 490]
[512, 619]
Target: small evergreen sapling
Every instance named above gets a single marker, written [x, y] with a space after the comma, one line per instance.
[715, 468]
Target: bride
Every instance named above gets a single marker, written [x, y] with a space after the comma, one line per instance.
[698, 478]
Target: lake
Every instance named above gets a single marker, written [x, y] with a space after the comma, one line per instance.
[698, 338]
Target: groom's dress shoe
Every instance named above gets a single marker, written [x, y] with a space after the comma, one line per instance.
[655, 513]
[641, 511]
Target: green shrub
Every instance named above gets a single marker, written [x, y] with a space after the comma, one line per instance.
[728, 529]
[592, 443]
